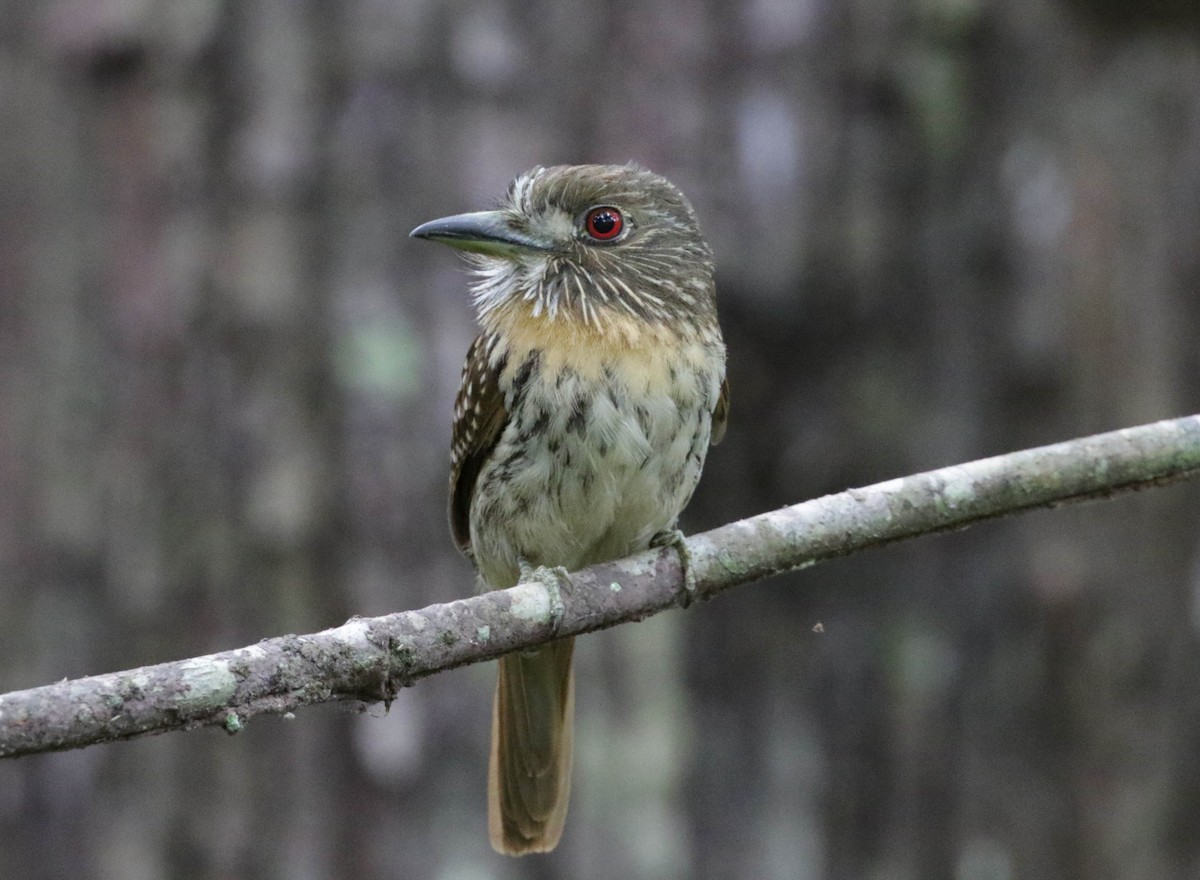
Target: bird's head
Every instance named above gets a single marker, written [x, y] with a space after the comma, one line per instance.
[597, 244]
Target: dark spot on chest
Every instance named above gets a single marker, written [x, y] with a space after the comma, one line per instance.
[529, 428]
[615, 389]
[643, 419]
[526, 370]
[580, 410]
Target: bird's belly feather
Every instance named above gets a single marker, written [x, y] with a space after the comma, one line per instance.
[588, 472]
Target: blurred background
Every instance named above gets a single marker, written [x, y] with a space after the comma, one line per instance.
[945, 229]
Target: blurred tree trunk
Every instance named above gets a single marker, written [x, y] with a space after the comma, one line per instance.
[173, 418]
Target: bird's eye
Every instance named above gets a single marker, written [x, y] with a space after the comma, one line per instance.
[604, 224]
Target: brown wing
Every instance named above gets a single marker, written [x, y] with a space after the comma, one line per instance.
[479, 417]
[720, 413]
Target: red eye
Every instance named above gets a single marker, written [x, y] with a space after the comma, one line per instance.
[604, 224]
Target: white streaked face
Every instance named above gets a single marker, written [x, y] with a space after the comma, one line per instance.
[597, 243]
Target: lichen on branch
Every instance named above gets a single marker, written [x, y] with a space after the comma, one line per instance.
[368, 659]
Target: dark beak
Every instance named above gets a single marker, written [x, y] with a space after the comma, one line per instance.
[481, 232]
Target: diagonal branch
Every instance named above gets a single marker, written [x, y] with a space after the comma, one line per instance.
[368, 659]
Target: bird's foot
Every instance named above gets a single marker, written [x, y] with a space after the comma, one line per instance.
[675, 538]
[556, 581]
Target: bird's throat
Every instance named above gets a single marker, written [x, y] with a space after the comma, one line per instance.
[643, 357]
[610, 330]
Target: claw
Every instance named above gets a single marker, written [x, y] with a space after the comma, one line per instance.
[675, 538]
[556, 580]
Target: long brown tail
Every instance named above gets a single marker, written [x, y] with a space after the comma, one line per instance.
[533, 724]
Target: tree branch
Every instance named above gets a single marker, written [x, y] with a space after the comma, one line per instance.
[369, 659]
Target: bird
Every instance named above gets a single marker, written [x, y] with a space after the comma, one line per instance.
[585, 411]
